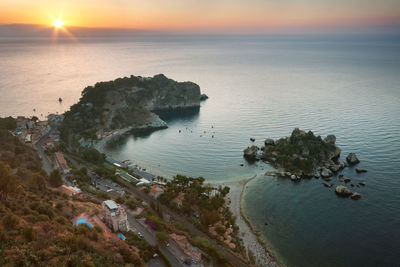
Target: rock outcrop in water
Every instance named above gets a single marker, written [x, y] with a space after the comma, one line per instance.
[352, 159]
[302, 154]
[343, 191]
[203, 97]
[128, 102]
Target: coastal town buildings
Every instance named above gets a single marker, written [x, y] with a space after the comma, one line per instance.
[61, 163]
[115, 216]
[55, 119]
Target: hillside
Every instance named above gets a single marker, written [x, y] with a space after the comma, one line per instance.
[36, 222]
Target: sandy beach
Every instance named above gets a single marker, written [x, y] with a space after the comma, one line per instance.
[251, 241]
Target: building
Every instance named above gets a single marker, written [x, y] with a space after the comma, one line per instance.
[28, 138]
[156, 191]
[55, 119]
[62, 163]
[69, 190]
[48, 143]
[55, 135]
[115, 216]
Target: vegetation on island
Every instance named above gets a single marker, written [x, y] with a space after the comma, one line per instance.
[301, 153]
[124, 102]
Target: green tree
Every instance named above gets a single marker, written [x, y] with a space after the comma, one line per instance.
[162, 237]
[55, 178]
[37, 181]
[220, 230]
[10, 221]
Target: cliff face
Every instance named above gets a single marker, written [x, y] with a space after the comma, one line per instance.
[127, 102]
[169, 94]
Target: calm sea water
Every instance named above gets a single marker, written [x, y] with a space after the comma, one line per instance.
[259, 87]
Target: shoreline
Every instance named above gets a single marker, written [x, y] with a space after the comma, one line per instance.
[249, 234]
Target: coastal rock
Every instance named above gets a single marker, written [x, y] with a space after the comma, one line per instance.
[340, 175]
[252, 139]
[331, 139]
[342, 191]
[327, 184]
[347, 180]
[336, 154]
[251, 153]
[203, 97]
[342, 165]
[355, 196]
[294, 177]
[334, 167]
[362, 183]
[269, 142]
[352, 159]
[325, 173]
[359, 170]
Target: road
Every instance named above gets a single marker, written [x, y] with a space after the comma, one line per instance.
[45, 161]
[152, 240]
[234, 259]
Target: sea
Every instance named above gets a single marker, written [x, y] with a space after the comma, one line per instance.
[259, 86]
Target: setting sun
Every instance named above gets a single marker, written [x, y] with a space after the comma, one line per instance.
[58, 23]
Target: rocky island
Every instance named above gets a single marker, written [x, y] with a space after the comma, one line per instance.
[129, 103]
[301, 155]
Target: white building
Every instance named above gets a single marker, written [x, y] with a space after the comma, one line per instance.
[115, 216]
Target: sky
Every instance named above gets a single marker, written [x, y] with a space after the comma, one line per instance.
[205, 15]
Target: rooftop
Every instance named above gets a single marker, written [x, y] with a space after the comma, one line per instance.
[111, 204]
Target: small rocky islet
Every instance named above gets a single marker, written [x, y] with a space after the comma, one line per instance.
[304, 155]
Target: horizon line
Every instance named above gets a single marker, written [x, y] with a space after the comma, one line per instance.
[393, 28]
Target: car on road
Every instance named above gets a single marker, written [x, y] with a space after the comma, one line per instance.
[140, 234]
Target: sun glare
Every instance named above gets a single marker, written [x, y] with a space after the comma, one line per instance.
[58, 23]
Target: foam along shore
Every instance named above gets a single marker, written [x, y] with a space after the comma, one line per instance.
[263, 256]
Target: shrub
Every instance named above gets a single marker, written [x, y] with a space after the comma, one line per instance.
[28, 234]
[131, 204]
[10, 221]
[43, 218]
[59, 206]
[61, 220]
[220, 230]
